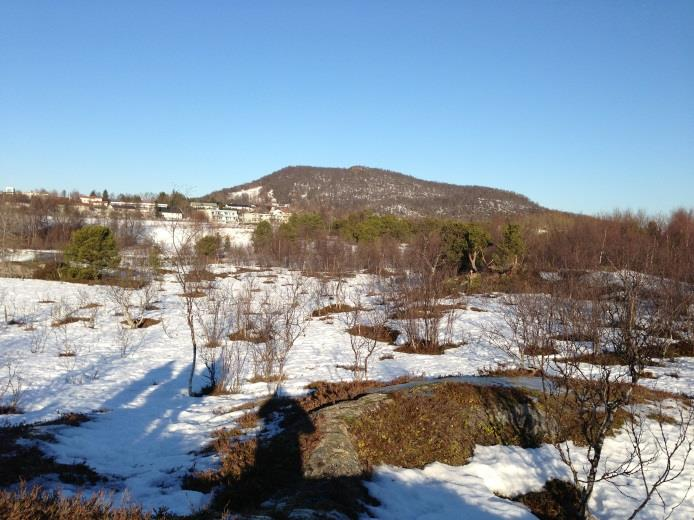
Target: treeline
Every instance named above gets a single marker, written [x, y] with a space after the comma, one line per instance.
[377, 243]
[623, 240]
[48, 221]
[37, 222]
[543, 242]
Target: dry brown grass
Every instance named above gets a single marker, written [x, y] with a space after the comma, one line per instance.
[73, 419]
[333, 308]
[510, 372]
[422, 347]
[145, 323]
[68, 320]
[259, 378]
[419, 311]
[558, 500]
[248, 420]
[677, 349]
[38, 504]
[641, 394]
[384, 334]
[681, 349]
[200, 275]
[92, 305]
[325, 393]
[216, 390]
[443, 423]
[662, 418]
[539, 351]
[241, 270]
[249, 335]
[23, 460]
[192, 294]
[573, 337]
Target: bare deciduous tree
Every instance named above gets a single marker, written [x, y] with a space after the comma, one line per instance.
[364, 329]
[589, 396]
[291, 323]
[526, 328]
[660, 450]
[633, 327]
[132, 302]
[214, 313]
[187, 272]
[11, 391]
[281, 319]
[38, 337]
[233, 364]
[416, 294]
[88, 306]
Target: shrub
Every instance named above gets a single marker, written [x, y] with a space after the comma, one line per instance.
[208, 246]
[92, 250]
[262, 236]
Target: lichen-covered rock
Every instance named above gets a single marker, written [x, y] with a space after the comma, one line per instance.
[335, 455]
[494, 413]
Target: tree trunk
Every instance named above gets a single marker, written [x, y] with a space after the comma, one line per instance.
[191, 325]
[472, 258]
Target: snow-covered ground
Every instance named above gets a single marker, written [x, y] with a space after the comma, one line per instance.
[440, 491]
[146, 433]
[161, 231]
[473, 491]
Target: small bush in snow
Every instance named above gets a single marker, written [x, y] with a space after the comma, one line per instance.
[11, 391]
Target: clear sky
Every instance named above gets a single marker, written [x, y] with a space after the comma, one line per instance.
[583, 106]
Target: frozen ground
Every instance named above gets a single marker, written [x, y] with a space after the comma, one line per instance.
[474, 491]
[146, 432]
[162, 231]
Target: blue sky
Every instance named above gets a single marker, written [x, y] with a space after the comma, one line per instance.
[582, 106]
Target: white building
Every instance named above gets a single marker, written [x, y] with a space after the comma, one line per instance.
[277, 215]
[254, 218]
[142, 207]
[223, 216]
[204, 205]
[240, 207]
[171, 214]
[92, 200]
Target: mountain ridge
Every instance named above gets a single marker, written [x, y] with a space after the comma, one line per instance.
[383, 191]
